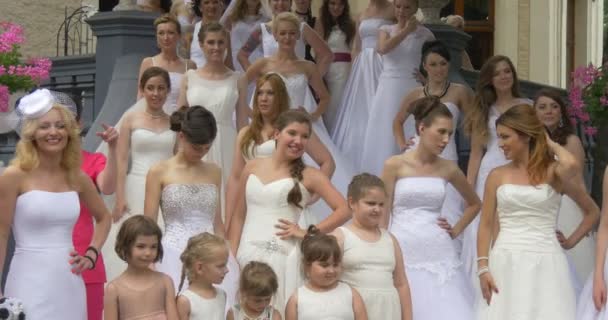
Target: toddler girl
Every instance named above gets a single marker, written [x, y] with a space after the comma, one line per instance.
[257, 285]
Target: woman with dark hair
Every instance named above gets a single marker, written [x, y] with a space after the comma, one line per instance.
[145, 139]
[208, 11]
[522, 269]
[187, 190]
[435, 62]
[551, 110]
[338, 29]
[497, 91]
[416, 183]
[273, 193]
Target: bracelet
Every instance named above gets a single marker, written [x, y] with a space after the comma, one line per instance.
[92, 261]
[482, 258]
[91, 248]
[483, 270]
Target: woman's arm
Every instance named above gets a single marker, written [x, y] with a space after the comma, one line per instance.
[323, 55]
[238, 163]
[106, 179]
[183, 308]
[401, 117]
[319, 153]
[145, 64]
[218, 224]
[567, 166]
[389, 177]
[575, 147]
[358, 305]
[291, 310]
[599, 286]
[242, 110]
[484, 235]
[170, 303]
[401, 283]
[122, 157]
[228, 61]
[386, 42]
[252, 43]
[576, 190]
[110, 302]
[154, 188]
[235, 229]
[459, 181]
[474, 159]
[182, 100]
[316, 82]
[10, 183]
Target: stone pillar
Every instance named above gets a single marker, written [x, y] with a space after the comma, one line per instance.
[119, 33]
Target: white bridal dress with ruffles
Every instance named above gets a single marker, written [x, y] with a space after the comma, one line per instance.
[188, 210]
[395, 82]
[438, 285]
[147, 148]
[527, 263]
[267, 203]
[40, 274]
[353, 112]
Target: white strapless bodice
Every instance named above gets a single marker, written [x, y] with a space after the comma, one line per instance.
[188, 209]
[270, 45]
[148, 148]
[299, 94]
[368, 31]
[263, 150]
[217, 96]
[527, 216]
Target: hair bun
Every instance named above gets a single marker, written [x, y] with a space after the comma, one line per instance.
[312, 231]
[176, 119]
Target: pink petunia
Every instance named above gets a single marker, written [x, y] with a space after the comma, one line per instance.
[4, 97]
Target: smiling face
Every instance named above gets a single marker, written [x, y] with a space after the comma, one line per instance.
[436, 136]
[211, 9]
[336, 8]
[292, 140]
[369, 208]
[51, 134]
[167, 36]
[513, 144]
[155, 92]
[214, 46]
[286, 34]
[502, 79]
[437, 67]
[324, 274]
[548, 111]
[144, 251]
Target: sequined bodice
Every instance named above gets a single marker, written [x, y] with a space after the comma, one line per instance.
[368, 31]
[337, 41]
[527, 216]
[149, 147]
[188, 209]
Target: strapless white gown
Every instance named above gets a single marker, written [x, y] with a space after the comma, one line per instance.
[147, 148]
[40, 275]
[188, 210]
[300, 95]
[353, 111]
[395, 82]
[336, 76]
[266, 204]
[527, 263]
[432, 263]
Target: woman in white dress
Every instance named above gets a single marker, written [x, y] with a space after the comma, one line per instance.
[416, 184]
[263, 36]
[338, 29]
[298, 74]
[353, 111]
[255, 140]
[552, 112]
[168, 32]
[208, 11]
[40, 195]
[497, 91]
[435, 62]
[400, 46]
[216, 87]
[592, 301]
[145, 139]
[273, 193]
[523, 271]
[187, 189]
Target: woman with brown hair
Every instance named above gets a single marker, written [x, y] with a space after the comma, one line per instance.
[525, 274]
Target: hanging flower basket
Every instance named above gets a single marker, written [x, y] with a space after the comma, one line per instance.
[17, 74]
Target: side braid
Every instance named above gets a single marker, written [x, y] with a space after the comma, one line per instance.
[295, 194]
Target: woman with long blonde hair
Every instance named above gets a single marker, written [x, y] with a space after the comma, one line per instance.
[525, 273]
[40, 196]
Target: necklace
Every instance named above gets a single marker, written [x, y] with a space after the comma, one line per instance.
[155, 115]
[446, 87]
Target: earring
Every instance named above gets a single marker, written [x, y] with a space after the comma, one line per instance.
[561, 122]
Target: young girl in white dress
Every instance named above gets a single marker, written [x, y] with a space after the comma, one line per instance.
[416, 182]
[274, 192]
[372, 259]
[323, 296]
[523, 271]
[255, 140]
[552, 112]
[168, 32]
[497, 90]
[338, 29]
[140, 292]
[400, 46]
[187, 188]
[146, 139]
[354, 108]
[205, 262]
[592, 301]
[257, 286]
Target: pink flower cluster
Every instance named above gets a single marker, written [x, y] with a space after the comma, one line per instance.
[38, 70]
[12, 35]
[582, 77]
[4, 96]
